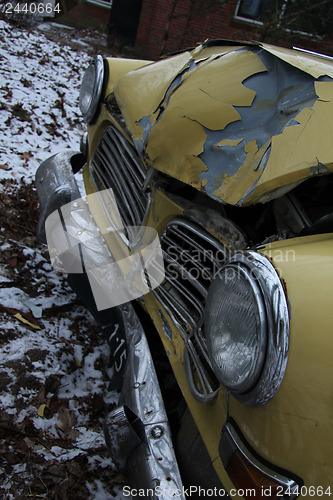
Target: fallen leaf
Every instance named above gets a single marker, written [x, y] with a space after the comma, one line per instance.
[12, 262]
[69, 345]
[21, 318]
[41, 410]
[26, 318]
[26, 157]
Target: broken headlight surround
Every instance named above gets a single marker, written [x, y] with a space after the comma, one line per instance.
[91, 89]
[247, 328]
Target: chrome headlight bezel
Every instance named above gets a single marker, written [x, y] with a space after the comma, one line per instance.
[91, 89]
[271, 302]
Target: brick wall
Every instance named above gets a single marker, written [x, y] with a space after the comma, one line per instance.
[83, 14]
[170, 25]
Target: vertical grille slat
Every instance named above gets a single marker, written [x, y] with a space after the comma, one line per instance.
[131, 161]
[108, 180]
[117, 178]
[116, 165]
[130, 190]
[192, 257]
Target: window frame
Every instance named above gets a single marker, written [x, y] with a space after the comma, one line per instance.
[261, 23]
[101, 3]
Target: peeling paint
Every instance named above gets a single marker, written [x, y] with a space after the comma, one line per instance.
[311, 64]
[165, 325]
[240, 123]
[140, 92]
[319, 169]
[228, 142]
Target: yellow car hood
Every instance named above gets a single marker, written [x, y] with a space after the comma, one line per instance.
[243, 123]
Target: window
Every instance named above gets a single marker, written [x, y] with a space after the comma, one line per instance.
[104, 3]
[254, 10]
[304, 16]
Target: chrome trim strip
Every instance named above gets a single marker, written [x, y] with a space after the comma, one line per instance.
[137, 432]
[229, 430]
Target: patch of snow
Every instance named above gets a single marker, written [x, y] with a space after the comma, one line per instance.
[39, 91]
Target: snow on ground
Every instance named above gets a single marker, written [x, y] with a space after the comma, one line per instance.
[39, 87]
[54, 363]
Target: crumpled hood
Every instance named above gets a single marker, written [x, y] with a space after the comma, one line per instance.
[243, 123]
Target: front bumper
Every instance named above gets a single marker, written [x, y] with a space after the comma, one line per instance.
[137, 432]
[56, 185]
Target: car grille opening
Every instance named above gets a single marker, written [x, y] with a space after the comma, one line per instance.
[191, 257]
[116, 165]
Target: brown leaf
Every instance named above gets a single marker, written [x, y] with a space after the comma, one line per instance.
[69, 345]
[66, 419]
[20, 113]
[26, 157]
[11, 458]
[52, 384]
[22, 448]
[5, 166]
[12, 262]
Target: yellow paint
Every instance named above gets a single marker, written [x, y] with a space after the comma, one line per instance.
[209, 53]
[204, 100]
[300, 147]
[314, 65]
[227, 142]
[178, 137]
[41, 410]
[300, 416]
[183, 154]
[119, 67]
[233, 188]
[324, 91]
[140, 92]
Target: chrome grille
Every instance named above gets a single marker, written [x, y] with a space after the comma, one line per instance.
[192, 257]
[116, 165]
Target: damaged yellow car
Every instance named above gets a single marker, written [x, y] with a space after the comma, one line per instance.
[226, 151]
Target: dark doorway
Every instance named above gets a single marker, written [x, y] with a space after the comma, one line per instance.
[123, 22]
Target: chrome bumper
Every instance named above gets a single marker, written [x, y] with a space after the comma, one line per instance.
[56, 184]
[137, 432]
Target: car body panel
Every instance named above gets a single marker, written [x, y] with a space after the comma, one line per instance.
[195, 125]
[301, 412]
[120, 67]
[291, 415]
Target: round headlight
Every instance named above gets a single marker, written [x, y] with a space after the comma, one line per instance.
[91, 89]
[247, 328]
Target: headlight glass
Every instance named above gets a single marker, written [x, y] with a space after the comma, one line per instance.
[91, 89]
[236, 326]
[247, 328]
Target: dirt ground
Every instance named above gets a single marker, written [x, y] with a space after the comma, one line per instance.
[51, 446]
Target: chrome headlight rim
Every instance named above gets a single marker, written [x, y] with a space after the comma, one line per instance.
[276, 325]
[89, 112]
